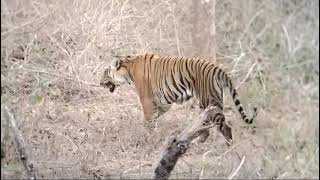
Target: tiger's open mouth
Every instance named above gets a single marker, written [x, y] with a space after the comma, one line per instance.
[109, 85]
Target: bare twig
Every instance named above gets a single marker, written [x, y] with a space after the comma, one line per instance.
[223, 154]
[60, 76]
[136, 167]
[175, 27]
[237, 59]
[20, 145]
[282, 175]
[238, 168]
[247, 76]
[257, 14]
[203, 159]
[287, 38]
[176, 32]
[27, 23]
[69, 56]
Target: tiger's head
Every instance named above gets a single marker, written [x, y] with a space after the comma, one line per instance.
[115, 75]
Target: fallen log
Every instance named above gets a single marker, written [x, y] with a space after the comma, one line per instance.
[177, 145]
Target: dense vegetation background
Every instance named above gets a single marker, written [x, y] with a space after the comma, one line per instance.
[53, 53]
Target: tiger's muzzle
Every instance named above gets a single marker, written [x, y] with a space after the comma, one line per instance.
[109, 85]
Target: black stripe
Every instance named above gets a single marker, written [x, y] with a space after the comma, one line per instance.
[230, 84]
[186, 69]
[237, 102]
[214, 93]
[150, 76]
[234, 93]
[182, 79]
[175, 85]
[219, 84]
[210, 69]
[214, 71]
[240, 109]
[188, 83]
[174, 64]
[168, 93]
[160, 79]
[205, 67]
[219, 74]
[220, 80]
[169, 102]
[163, 67]
[197, 64]
[225, 78]
[189, 73]
[182, 85]
[191, 62]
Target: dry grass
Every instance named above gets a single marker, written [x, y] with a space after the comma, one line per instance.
[53, 53]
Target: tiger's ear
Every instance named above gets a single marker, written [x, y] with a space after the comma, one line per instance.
[131, 57]
[128, 57]
[116, 64]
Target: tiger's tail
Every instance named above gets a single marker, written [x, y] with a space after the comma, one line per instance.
[235, 97]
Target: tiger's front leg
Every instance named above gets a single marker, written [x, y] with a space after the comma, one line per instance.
[159, 111]
[149, 108]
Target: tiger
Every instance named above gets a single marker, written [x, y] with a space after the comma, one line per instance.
[161, 81]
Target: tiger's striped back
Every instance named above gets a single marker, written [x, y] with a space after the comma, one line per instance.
[177, 79]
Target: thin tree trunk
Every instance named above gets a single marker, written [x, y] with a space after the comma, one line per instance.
[203, 30]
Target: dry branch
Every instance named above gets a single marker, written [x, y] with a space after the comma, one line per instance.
[20, 145]
[178, 145]
[238, 168]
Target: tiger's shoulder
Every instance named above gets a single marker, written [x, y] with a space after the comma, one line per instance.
[153, 57]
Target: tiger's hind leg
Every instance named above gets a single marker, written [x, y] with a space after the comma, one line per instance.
[226, 131]
[223, 127]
